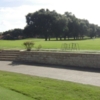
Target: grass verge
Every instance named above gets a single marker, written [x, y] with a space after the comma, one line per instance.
[39, 88]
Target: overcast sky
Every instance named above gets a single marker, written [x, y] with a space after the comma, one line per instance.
[13, 12]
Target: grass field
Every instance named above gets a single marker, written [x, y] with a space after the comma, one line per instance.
[27, 87]
[7, 94]
[90, 44]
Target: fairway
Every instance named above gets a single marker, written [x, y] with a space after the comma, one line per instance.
[90, 44]
[24, 87]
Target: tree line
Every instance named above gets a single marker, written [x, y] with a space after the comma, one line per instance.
[50, 24]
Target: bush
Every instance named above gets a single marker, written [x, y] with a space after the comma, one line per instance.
[28, 45]
[39, 47]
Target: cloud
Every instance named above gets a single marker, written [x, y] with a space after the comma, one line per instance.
[13, 12]
[14, 17]
[16, 3]
[4, 25]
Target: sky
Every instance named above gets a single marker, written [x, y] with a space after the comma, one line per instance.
[13, 12]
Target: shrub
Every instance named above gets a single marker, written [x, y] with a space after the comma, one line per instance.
[28, 45]
[39, 47]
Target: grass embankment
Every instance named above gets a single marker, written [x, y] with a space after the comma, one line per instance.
[91, 44]
[37, 88]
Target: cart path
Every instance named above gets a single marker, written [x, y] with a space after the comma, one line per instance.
[78, 76]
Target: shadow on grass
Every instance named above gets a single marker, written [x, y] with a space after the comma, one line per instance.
[16, 63]
[72, 39]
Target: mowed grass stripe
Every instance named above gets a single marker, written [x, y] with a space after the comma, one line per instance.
[6, 94]
[91, 44]
[40, 88]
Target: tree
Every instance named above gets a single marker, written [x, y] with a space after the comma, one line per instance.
[92, 31]
[60, 27]
[13, 34]
[41, 22]
[83, 28]
[73, 25]
[47, 24]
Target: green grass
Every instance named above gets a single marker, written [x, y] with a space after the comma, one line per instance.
[39, 88]
[7, 94]
[91, 44]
